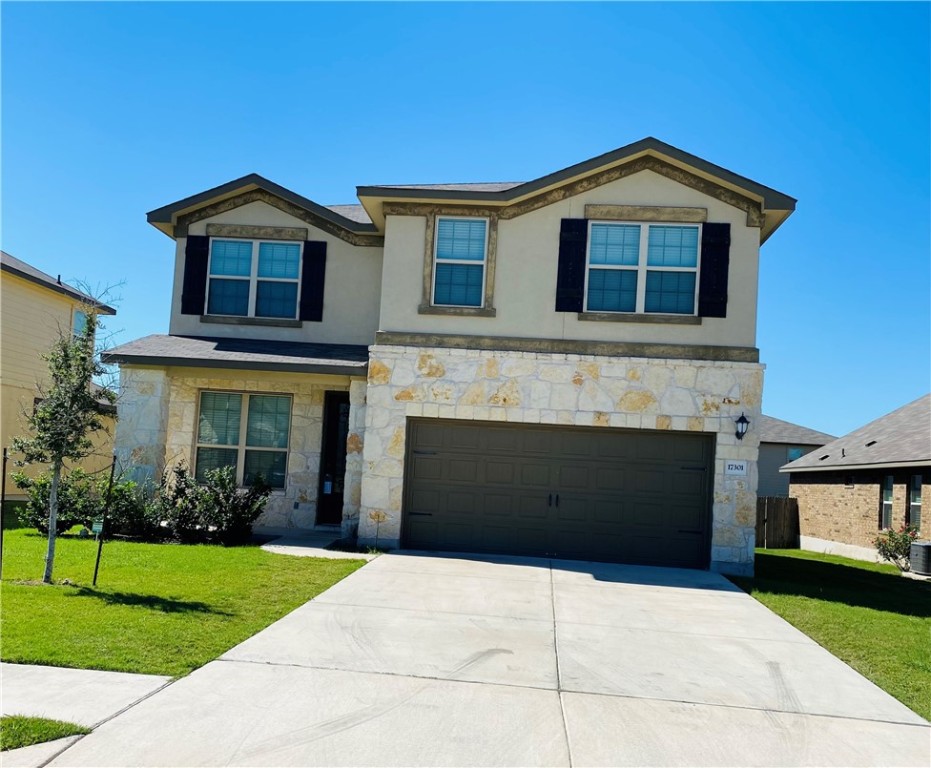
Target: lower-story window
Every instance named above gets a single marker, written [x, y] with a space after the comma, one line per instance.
[914, 501]
[247, 432]
[885, 506]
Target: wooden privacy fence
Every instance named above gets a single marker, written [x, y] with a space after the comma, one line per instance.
[777, 522]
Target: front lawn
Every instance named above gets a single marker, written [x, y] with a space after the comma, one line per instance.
[17, 731]
[161, 609]
[864, 613]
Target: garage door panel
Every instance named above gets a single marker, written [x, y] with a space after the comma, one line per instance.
[463, 470]
[500, 472]
[578, 476]
[624, 495]
[426, 468]
[536, 475]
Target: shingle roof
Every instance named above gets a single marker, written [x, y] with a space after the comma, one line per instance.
[28, 272]
[901, 438]
[774, 430]
[352, 212]
[244, 354]
[481, 186]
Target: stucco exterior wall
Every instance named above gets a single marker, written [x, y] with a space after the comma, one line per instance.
[526, 266]
[351, 293]
[772, 456]
[582, 390]
[832, 509]
[159, 428]
[32, 318]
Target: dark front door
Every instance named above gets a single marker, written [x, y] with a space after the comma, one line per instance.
[333, 458]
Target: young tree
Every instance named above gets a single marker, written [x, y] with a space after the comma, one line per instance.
[66, 415]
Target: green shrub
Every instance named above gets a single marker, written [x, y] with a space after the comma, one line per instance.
[82, 497]
[215, 510]
[77, 501]
[895, 546]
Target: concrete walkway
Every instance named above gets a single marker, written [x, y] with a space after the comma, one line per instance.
[312, 543]
[83, 696]
[431, 661]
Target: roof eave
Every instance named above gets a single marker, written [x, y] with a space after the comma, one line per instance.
[64, 290]
[165, 218]
[346, 368]
[789, 469]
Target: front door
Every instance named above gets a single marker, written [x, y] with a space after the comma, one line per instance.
[333, 458]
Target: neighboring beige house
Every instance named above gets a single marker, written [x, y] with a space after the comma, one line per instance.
[34, 309]
[869, 480]
[549, 368]
[782, 442]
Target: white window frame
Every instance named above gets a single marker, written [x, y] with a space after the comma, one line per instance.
[912, 504]
[242, 447]
[641, 268]
[884, 505]
[254, 278]
[75, 333]
[470, 262]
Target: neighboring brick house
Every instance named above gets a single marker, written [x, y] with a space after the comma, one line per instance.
[871, 479]
[782, 442]
[549, 368]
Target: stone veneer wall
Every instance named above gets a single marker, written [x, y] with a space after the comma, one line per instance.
[143, 423]
[582, 390]
[831, 511]
[158, 422]
[352, 487]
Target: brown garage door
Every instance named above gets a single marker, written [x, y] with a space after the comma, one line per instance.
[595, 494]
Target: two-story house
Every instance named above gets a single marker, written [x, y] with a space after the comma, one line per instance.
[562, 367]
[35, 308]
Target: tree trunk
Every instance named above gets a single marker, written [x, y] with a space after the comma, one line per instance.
[52, 522]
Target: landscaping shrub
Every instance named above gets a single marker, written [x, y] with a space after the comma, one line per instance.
[82, 497]
[895, 546]
[215, 510]
[77, 502]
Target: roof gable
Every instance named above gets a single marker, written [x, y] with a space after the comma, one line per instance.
[774, 430]
[765, 207]
[345, 222]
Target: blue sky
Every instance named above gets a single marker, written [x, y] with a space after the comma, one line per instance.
[110, 110]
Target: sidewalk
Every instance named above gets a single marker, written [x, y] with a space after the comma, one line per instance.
[84, 696]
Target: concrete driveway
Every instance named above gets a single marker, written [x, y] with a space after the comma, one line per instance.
[434, 661]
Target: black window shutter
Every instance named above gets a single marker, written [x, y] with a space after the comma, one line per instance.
[194, 287]
[570, 277]
[313, 276]
[715, 261]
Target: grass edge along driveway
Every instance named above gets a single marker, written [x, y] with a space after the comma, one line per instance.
[864, 613]
[161, 609]
[17, 731]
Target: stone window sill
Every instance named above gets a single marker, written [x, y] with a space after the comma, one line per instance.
[427, 309]
[618, 317]
[267, 321]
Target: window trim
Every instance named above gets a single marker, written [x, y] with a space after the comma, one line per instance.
[242, 447]
[884, 505]
[641, 269]
[913, 504]
[464, 262]
[254, 277]
[487, 309]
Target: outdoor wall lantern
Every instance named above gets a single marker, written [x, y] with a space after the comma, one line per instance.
[742, 423]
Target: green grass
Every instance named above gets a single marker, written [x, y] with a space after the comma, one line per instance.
[864, 613]
[157, 608]
[17, 731]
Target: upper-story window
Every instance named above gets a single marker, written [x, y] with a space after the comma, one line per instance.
[252, 278]
[643, 268]
[460, 257]
[78, 323]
